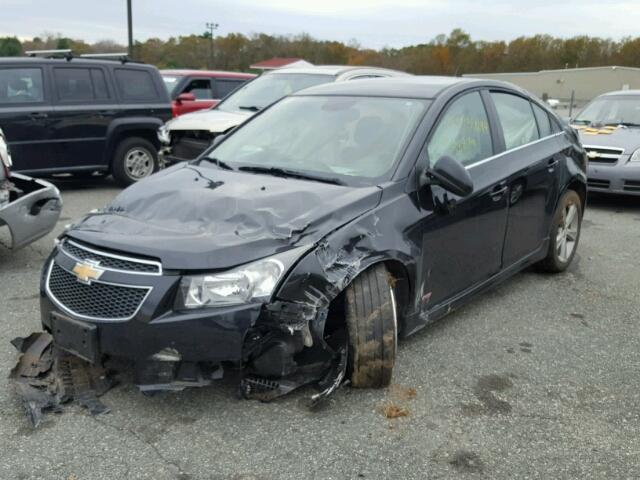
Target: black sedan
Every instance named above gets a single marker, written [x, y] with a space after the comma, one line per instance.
[301, 246]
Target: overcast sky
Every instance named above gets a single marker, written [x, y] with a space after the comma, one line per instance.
[373, 23]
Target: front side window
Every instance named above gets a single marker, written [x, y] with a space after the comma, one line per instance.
[21, 85]
[463, 132]
[271, 87]
[201, 88]
[135, 85]
[516, 118]
[225, 86]
[333, 136]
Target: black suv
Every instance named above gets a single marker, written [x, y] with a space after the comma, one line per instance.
[73, 115]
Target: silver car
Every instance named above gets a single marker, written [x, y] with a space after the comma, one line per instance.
[609, 129]
[29, 207]
[187, 136]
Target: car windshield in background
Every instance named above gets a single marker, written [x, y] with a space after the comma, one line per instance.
[170, 82]
[265, 90]
[619, 110]
[334, 137]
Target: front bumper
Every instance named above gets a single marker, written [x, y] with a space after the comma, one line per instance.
[623, 178]
[204, 335]
[34, 214]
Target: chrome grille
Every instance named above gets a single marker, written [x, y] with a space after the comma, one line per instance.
[97, 300]
[110, 261]
[598, 154]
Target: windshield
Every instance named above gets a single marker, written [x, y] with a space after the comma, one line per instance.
[622, 110]
[269, 88]
[170, 82]
[351, 139]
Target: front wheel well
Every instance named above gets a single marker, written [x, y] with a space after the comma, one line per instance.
[398, 280]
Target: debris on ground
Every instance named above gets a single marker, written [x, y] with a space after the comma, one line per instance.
[46, 378]
[394, 407]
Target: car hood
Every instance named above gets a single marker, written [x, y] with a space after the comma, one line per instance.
[618, 137]
[215, 121]
[204, 218]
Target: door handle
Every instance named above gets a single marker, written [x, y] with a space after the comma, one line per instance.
[551, 164]
[38, 115]
[498, 191]
[106, 113]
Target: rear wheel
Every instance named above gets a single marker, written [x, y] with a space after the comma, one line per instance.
[372, 323]
[565, 233]
[135, 158]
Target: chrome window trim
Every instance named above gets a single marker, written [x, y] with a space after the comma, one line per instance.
[481, 162]
[67, 310]
[112, 255]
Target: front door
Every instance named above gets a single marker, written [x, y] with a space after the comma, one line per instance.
[25, 116]
[202, 89]
[462, 237]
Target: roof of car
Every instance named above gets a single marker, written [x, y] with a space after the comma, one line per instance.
[72, 61]
[409, 86]
[621, 92]
[206, 73]
[334, 70]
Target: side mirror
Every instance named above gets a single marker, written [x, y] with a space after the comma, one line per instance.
[450, 175]
[186, 97]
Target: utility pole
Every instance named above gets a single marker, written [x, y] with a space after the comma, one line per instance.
[130, 27]
[211, 27]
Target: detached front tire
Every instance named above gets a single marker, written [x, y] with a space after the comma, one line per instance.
[135, 158]
[565, 234]
[372, 324]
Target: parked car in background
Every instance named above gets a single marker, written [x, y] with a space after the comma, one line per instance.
[340, 218]
[74, 115]
[609, 128]
[192, 90]
[186, 137]
[29, 208]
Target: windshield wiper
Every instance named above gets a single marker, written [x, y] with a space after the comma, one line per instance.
[252, 108]
[218, 162]
[285, 172]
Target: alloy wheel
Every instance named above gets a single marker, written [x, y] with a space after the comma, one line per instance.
[567, 236]
[138, 163]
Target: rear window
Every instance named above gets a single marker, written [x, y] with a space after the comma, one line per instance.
[80, 84]
[517, 119]
[544, 123]
[135, 85]
[21, 85]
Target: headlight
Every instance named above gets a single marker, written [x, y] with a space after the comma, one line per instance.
[254, 282]
[635, 157]
[164, 135]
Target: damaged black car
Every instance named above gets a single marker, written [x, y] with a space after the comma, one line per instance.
[300, 247]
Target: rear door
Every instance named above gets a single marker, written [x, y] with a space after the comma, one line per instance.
[530, 158]
[463, 237]
[84, 107]
[25, 115]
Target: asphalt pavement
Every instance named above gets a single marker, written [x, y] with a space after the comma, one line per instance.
[538, 378]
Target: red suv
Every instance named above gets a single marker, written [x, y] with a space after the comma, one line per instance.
[192, 90]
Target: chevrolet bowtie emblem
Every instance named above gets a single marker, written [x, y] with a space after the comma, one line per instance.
[87, 271]
[593, 154]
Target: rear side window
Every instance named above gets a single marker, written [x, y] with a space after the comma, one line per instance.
[201, 88]
[516, 118]
[463, 132]
[21, 85]
[136, 85]
[544, 123]
[225, 87]
[80, 84]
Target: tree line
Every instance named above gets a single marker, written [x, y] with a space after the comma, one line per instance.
[453, 54]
